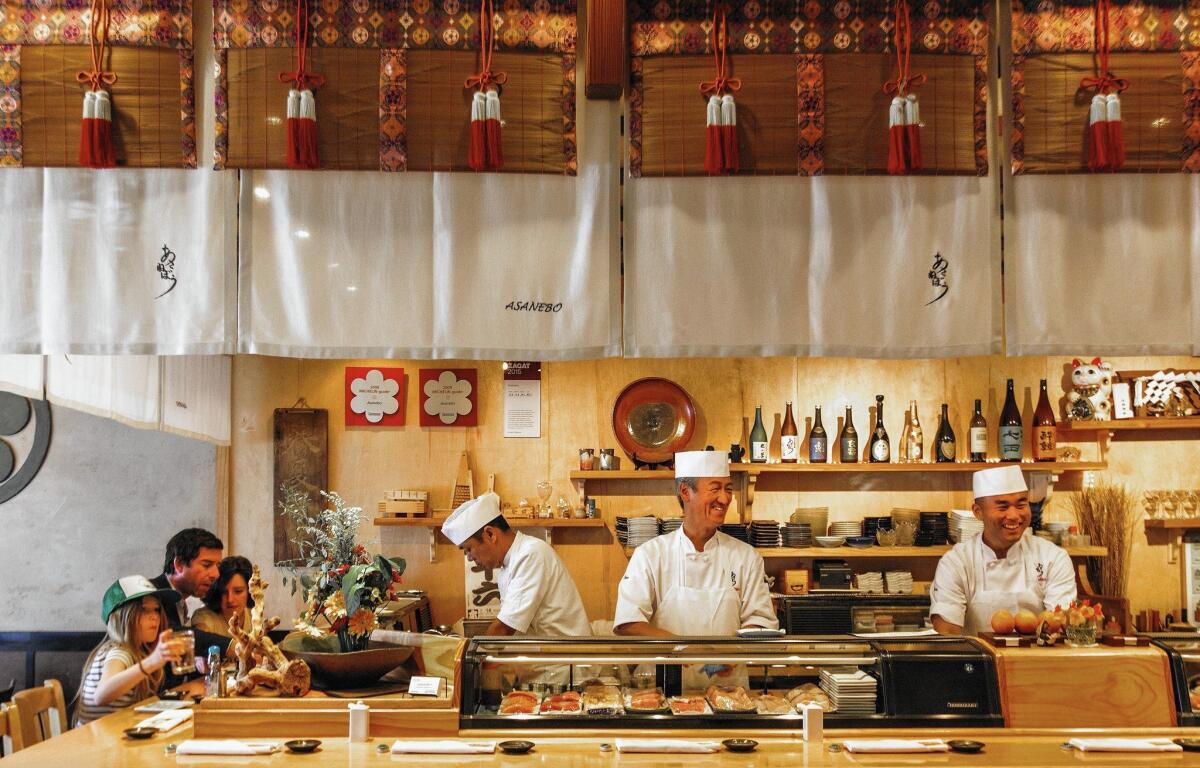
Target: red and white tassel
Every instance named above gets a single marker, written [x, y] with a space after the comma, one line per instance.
[1115, 132]
[729, 138]
[714, 153]
[495, 149]
[912, 132]
[897, 162]
[1098, 159]
[95, 139]
[302, 130]
[477, 139]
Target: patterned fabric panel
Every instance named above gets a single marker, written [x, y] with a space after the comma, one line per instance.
[1191, 112]
[393, 114]
[1058, 26]
[666, 27]
[148, 23]
[187, 105]
[10, 105]
[810, 114]
[450, 25]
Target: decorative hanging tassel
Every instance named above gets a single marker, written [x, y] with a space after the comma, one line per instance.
[95, 137]
[495, 150]
[477, 143]
[912, 132]
[729, 138]
[293, 129]
[897, 164]
[301, 104]
[306, 131]
[714, 155]
[1098, 134]
[1115, 132]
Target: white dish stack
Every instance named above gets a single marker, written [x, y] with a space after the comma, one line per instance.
[899, 582]
[850, 689]
[871, 581]
[964, 525]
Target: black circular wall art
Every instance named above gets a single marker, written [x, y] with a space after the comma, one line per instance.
[16, 413]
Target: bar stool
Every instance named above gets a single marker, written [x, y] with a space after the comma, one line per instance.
[10, 729]
[43, 712]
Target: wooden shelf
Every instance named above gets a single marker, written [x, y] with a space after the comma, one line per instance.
[515, 522]
[1179, 524]
[862, 468]
[1118, 425]
[891, 552]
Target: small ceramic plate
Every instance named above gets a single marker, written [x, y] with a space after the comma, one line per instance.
[171, 695]
[518, 747]
[302, 746]
[740, 745]
[1189, 745]
[140, 733]
[965, 745]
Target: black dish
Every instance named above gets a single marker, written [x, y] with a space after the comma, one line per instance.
[965, 745]
[302, 746]
[516, 747]
[1189, 745]
[740, 745]
[171, 695]
[140, 733]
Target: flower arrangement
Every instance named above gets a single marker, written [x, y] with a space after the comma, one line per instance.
[1083, 622]
[345, 588]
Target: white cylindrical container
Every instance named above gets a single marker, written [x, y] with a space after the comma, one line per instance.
[814, 722]
[360, 721]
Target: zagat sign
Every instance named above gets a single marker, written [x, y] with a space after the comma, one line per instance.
[24, 441]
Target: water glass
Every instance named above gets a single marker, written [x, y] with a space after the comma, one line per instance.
[186, 641]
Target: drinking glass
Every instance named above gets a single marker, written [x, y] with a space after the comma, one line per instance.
[186, 640]
[544, 489]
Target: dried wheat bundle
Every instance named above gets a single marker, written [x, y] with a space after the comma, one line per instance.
[1106, 513]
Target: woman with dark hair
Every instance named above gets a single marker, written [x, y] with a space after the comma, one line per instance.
[228, 596]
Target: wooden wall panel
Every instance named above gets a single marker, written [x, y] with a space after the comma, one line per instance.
[147, 128]
[605, 69]
[674, 110]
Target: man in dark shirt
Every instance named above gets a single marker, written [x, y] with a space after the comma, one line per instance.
[190, 568]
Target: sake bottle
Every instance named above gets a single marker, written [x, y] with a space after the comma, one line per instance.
[848, 440]
[1012, 434]
[978, 434]
[1045, 429]
[818, 441]
[789, 440]
[758, 439]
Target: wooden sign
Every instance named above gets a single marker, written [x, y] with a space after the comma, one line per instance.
[301, 461]
[374, 397]
[448, 397]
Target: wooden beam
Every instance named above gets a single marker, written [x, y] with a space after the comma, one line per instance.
[605, 69]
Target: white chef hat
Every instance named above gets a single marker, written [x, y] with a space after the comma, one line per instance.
[701, 464]
[998, 481]
[470, 517]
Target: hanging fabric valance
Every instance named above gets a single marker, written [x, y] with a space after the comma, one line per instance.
[805, 103]
[1142, 59]
[135, 54]
[390, 95]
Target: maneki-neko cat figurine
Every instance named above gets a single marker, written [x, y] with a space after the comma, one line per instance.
[1091, 395]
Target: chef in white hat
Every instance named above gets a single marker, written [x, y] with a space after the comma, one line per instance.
[695, 580]
[1002, 568]
[537, 595]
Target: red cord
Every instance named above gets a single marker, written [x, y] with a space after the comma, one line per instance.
[301, 78]
[98, 27]
[902, 37]
[487, 44]
[1103, 82]
[722, 83]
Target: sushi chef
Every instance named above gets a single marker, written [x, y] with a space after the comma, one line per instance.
[1005, 567]
[696, 580]
[537, 595]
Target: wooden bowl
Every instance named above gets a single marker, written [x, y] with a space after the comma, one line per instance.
[652, 419]
[341, 671]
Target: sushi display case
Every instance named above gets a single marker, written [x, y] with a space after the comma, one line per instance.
[1183, 651]
[728, 683]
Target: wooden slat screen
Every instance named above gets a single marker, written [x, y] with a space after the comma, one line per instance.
[146, 105]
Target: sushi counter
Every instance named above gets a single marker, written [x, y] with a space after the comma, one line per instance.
[586, 702]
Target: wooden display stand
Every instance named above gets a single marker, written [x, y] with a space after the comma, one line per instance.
[1099, 687]
[320, 716]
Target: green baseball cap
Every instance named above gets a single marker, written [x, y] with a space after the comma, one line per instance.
[129, 588]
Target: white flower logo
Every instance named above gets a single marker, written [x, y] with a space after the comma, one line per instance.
[374, 396]
[448, 397]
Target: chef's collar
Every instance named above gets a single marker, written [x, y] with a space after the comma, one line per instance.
[508, 555]
[1014, 552]
[690, 549]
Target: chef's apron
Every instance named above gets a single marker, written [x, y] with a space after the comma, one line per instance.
[696, 611]
[985, 602]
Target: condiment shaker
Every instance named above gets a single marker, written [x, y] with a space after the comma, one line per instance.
[814, 722]
[360, 721]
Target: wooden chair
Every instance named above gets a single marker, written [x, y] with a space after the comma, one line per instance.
[10, 729]
[43, 712]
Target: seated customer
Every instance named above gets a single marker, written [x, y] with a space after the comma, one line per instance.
[128, 664]
[229, 595]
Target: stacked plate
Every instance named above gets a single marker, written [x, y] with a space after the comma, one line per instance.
[870, 582]
[797, 535]
[934, 529]
[670, 524]
[817, 517]
[846, 528]
[964, 525]
[764, 533]
[637, 530]
[850, 689]
[898, 582]
[737, 530]
[872, 524]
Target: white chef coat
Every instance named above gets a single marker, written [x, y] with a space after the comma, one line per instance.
[730, 572]
[537, 595]
[971, 583]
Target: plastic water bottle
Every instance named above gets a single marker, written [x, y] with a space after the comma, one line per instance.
[212, 673]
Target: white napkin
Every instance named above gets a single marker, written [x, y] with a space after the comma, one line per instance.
[444, 747]
[225, 747]
[1125, 745]
[665, 745]
[895, 745]
[165, 721]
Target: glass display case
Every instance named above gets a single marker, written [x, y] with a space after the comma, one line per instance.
[1183, 649]
[727, 682]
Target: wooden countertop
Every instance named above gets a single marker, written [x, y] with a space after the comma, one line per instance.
[102, 744]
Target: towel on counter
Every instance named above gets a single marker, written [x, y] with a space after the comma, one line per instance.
[443, 747]
[165, 721]
[665, 745]
[226, 747]
[1125, 745]
[895, 745]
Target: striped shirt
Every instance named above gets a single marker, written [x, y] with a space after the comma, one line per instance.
[88, 710]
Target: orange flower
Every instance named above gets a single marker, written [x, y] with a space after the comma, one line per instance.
[1087, 612]
[362, 622]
